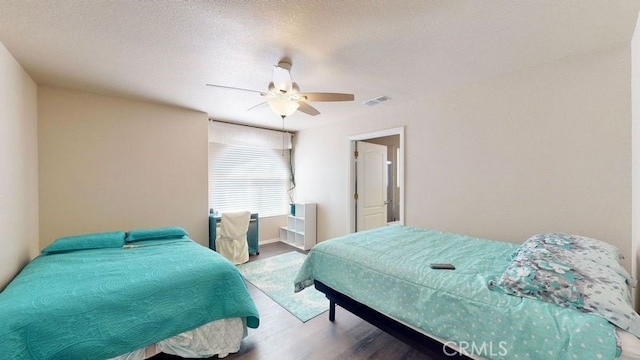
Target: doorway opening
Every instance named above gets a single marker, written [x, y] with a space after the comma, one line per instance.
[376, 179]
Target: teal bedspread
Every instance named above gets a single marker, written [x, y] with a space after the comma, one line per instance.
[97, 304]
[388, 270]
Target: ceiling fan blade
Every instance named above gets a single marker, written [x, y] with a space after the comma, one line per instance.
[307, 109]
[260, 105]
[327, 97]
[282, 78]
[240, 89]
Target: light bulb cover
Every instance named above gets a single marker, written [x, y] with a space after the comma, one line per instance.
[283, 106]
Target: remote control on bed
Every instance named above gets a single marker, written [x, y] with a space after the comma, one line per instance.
[442, 266]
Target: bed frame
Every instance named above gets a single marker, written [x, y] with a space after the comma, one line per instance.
[425, 344]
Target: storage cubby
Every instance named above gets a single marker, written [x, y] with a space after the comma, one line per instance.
[301, 228]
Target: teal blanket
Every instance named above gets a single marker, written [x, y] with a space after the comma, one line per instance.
[100, 303]
[388, 270]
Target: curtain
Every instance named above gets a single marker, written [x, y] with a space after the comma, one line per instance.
[239, 135]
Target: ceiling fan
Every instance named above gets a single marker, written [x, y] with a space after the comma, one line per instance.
[284, 97]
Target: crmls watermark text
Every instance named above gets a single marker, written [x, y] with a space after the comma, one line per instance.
[484, 349]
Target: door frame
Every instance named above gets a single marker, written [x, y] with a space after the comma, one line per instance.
[352, 171]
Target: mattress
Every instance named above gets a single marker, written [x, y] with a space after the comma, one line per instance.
[630, 345]
[388, 270]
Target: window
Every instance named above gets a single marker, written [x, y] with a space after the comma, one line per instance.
[245, 177]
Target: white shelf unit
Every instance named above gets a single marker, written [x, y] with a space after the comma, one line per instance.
[301, 228]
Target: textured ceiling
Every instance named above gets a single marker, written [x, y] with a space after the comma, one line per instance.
[166, 51]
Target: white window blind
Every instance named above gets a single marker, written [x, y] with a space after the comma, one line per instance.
[247, 178]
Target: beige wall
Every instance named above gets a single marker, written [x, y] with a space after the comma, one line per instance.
[107, 164]
[270, 227]
[635, 135]
[545, 149]
[18, 166]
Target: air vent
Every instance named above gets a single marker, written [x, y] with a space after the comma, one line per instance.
[376, 101]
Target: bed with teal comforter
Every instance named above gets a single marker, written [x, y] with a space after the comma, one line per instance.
[388, 270]
[101, 303]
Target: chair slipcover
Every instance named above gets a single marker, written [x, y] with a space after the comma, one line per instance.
[231, 241]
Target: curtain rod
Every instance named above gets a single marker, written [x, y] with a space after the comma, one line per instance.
[251, 126]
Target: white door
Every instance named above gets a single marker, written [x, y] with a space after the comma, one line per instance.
[371, 186]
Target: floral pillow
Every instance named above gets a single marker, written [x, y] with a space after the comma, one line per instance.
[582, 284]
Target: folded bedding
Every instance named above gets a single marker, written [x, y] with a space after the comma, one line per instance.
[388, 270]
[572, 271]
[100, 303]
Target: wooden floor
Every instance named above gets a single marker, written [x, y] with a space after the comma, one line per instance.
[282, 336]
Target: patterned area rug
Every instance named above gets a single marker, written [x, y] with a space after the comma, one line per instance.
[274, 277]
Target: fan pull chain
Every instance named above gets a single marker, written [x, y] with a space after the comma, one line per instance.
[283, 136]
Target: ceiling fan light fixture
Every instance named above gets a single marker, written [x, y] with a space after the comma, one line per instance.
[284, 96]
[283, 106]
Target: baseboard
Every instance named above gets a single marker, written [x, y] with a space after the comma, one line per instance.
[268, 241]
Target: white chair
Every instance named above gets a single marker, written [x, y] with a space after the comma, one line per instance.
[231, 241]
